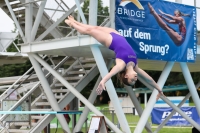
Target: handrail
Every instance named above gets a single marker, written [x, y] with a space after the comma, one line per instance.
[6, 95]
[31, 90]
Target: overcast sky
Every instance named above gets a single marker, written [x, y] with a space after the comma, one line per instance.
[6, 24]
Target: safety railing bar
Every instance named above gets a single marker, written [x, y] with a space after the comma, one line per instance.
[31, 90]
[17, 82]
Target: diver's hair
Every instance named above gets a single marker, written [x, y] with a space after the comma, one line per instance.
[182, 14]
[121, 78]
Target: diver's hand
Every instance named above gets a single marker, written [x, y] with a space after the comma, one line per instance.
[159, 94]
[100, 88]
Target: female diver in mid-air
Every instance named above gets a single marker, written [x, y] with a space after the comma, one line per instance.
[178, 38]
[126, 60]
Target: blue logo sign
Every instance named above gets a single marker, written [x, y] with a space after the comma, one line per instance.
[158, 115]
[158, 30]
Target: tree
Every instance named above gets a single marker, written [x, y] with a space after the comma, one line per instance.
[9, 70]
[102, 11]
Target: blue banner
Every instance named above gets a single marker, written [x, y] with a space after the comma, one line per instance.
[158, 30]
[160, 114]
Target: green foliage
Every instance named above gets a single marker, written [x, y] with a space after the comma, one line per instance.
[14, 69]
[102, 12]
[9, 70]
[12, 47]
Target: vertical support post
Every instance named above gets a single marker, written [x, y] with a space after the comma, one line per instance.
[145, 99]
[79, 20]
[103, 71]
[28, 20]
[110, 89]
[113, 117]
[112, 13]
[191, 86]
[49, 93]
[152, 100]
[74, 106]
[137, 105]
[48, 128]
[37, 20]
[15, 20]
[93, 12]
[80, 11]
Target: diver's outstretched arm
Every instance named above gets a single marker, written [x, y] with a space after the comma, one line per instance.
[117, 68]
[174, 18]
[168, 20]
[149, 80]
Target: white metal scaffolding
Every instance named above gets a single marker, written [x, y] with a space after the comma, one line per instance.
[86, 46]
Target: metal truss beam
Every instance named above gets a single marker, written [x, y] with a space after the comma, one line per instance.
[74, 91]
[190, 84]
[196, 125]
[49, 94]
[86, 110]
[110, 89]
[31, 90]
[81, 11]
[91, 99]
[173, 112]
[38, 19]
[136, 103]
[57, 22]
[103, 71]
[15, 20]
[28, 20]
[66, 100]
[82, 40]
[185, 71]
[45, 22]
[146, 113]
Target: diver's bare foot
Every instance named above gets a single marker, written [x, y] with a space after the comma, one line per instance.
[67, 21]
[71, 18]
[151, 8]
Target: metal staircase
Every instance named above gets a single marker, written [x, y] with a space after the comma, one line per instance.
[79, 74]
[18, 6]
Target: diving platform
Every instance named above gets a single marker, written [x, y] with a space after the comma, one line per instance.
[12, 58]
[79, 46]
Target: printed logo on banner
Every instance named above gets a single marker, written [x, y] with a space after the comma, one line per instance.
[177, 116]
[158, 30]
[160, 114]
[136, 2]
